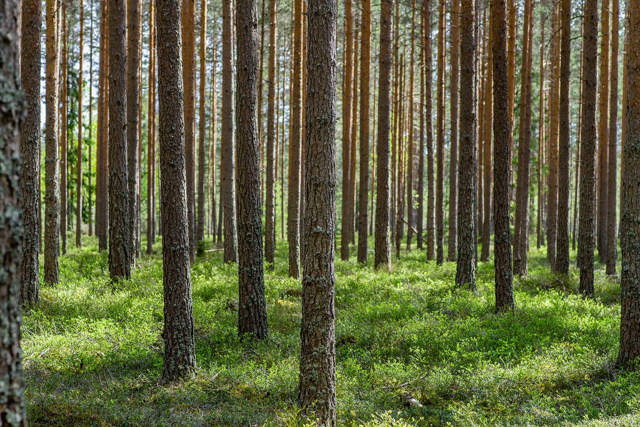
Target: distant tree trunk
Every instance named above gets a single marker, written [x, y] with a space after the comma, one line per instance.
[383, 224]
[90, 148]
[587, 149]
[179, 345]
[466, 266]
[151, 138]
[440, 133]
[629, 226]
[603, 134]
[64, 125]
[29, 196]
[421, 148]
[541, 135]
[188, 80]
[502, 156]
[317, 390]
[552, 195]
[102, 158]
[351, 194]
[79, 160]
[119, 234]
[295, 98]
[270, 220]
[410, 150]
[214, 140]
[52, 177]
[426, 19]
[228, 193]
[347, 78]
[487, 169]
[521, 238]
[12, 108]
[612, 245]
[454, 88]
[365, 65]
[562, 246]
[252, 311]
[202, 160]
[133, 102]
[512, 36]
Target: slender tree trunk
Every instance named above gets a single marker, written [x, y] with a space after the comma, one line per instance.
[365, 65]
[502, 156]
[440, 133]
[351, 201]
[228, 193]
[133, 102]
[552, 195]
[317, 391]
[102, 159]
[629, 226]
[52, 177]
[79, 164]
[541, 135]
[188, 79]
[29, 193]
[202, 160]
[346, 128]
[612, 245]
[90, 148]
[466, 266]
[410, 152]
[588, 147]
[151, 138]
[293, 206]
[119, 234]
[383, 223]
[487, 168]
[426, 19]
[270, 235]
[64, 125]
[454, 88]
[179, 345]
[12, 109]
[603, 134]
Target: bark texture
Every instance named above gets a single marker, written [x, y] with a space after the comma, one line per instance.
[270, 214]
[612, 244]
[455, 88]
[133, 105]
[188, 80]
[365, 66]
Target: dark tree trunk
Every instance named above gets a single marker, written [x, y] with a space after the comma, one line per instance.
[12, 109]
[603, 135]
[440, 142]
[365, 65]
[151, 135]
[502, 158]
[179, 344]
[383, 206]
[317, 393]
[270, 220]
[119, 234]
[227, 192]
[133, 104]
[188, 80]
[587, 149]
[52, 175]
[252, 311]
[552, 195]
[30, 150]
[629, 226]
[102, 159]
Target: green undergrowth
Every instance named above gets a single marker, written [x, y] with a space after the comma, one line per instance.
[93, 350]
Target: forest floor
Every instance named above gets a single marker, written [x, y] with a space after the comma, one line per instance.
[93, 350]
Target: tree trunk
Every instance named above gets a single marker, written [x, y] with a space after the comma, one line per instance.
[12, 109]
[29, 198]
[487, 169]
[119, 234]
[52, 176]
[102, 159]
[252, 312]
[426, 19]
[179, 345]
[466, 266]
[228, 193]
[552, 196]
[151, 134]
[603, 134]
[587, 149]
[365, 65]
[79, 160]
[270, 220]
[63, 127]
[202, 160]
[502, 156]
[188, 79]
[541, 136]
[317, 393]
[133, 102]
[440, 141]
[454, 88]
[612, 245]
[347, 78]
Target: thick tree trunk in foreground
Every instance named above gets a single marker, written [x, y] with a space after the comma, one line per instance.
[179, 345]
[119, 235]
[252, 311]
[466, 266]
[587, 148]
[630, 227]
[382, 243]
[12, 106]
[30, 150]
[502, 157]
[317, 393]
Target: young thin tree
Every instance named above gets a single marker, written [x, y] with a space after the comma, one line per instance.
[179, 345]
[119, 234]
[317, 392]
[228, 193]
[603, 135]
[629, 226]
[133, 102]
[151, 133]
[588, 147]
[102, 157]
[52, 176]
[613, 143]
[383, 206]
[202, 160]
[487, 151]
[270, 220]
[454, 88]
[30, 149]
[347, 78]
[252, 311]
[12, 109]
[63, 127]
[440, 137]
[79, 160]
[365, 66]
[501, 157]
[552, 195]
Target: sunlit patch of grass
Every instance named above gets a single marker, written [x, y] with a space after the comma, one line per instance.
[93, 349]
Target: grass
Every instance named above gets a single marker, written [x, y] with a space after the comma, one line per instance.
[93, 351]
